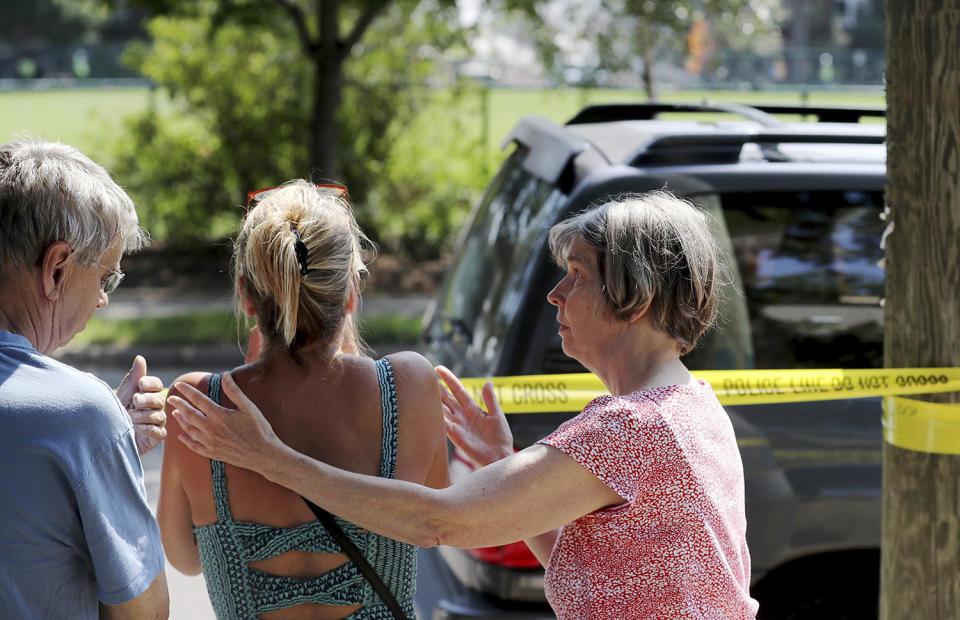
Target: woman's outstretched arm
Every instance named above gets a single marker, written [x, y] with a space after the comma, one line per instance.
[484, 436]
[515, 498]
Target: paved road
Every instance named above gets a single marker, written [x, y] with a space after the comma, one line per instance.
[168, 363]
[162, 302]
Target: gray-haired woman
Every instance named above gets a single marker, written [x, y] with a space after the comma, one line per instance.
[636, 505]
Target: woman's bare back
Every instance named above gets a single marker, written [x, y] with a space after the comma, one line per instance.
[332, 412]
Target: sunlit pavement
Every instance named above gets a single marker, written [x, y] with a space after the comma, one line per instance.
[188, 595]
[161, 302]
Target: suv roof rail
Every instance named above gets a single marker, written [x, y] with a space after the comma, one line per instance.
[827, 114]
[648, 111]
[762, 113]
[702, 148]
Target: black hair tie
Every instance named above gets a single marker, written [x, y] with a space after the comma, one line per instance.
[301, 250]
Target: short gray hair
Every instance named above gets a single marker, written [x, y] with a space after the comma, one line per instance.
[655, 249]
[52, 192]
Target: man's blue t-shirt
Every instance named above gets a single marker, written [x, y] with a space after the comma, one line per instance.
[75, 526]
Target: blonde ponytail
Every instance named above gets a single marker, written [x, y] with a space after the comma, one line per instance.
[299, 254]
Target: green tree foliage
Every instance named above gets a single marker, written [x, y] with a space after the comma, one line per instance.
[617, 36]
[244, 99]
[63, 21]
[236, 114]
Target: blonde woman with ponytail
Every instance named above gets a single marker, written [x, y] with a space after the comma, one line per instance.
[298, 263]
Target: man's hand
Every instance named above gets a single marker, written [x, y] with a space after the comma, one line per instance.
[142, 397]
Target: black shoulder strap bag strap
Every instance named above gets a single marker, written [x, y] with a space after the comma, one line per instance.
[357, 558]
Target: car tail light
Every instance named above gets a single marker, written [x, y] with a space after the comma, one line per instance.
[496, 580]
[514, 555]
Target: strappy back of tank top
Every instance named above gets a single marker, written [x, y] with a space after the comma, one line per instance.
[227, 547]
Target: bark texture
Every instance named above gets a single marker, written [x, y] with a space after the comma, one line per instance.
[920, 572]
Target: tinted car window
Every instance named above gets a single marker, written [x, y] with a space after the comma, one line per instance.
[811, 270]
[486, 283]
[728, 344]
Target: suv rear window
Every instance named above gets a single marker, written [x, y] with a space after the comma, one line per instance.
[486, 282]
[811, 271]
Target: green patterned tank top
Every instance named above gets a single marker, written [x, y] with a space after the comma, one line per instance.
[227, 547]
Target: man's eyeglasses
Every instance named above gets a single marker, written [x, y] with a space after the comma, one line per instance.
[337, 191]
[110, 283]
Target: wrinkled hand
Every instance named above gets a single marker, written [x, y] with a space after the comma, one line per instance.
[240, 436]
[483, 436]
[142, 397]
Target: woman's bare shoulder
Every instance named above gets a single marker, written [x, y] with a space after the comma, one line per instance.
[423, 446]
[174, 449]
[409, 358]
[414, 370]
[198, 379]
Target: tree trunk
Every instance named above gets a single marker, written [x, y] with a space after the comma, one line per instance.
[327, 57]
[647, 41]
[920, 572]
[798, 43]
[327, 85]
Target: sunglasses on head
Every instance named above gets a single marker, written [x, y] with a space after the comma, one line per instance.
[337, 191]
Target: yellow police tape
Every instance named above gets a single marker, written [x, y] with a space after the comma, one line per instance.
[908, 423]
[571, 392]
[921, 426]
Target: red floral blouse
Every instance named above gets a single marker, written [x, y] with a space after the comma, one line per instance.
[676, 547]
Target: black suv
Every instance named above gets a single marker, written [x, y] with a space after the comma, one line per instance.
[798, 209]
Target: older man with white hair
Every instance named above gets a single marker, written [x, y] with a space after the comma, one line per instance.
[78, 538]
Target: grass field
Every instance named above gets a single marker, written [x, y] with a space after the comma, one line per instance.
[86, 118]
[83, 118]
